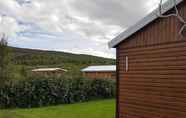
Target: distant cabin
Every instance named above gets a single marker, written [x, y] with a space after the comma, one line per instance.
[49, 71]
[151, 66]
[106, 71]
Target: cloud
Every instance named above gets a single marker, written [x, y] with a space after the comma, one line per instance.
[61, 42]
[114, 12]
[10, 26]
[79, 26]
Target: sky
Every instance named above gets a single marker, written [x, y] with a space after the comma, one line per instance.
[76, 26]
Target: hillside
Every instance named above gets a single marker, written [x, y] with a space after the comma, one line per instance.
[40, 57]
[72, 62]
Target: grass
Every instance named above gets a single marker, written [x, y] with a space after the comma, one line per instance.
[94, 109]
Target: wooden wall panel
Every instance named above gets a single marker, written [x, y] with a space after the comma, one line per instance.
[94, 75]
[155, 84]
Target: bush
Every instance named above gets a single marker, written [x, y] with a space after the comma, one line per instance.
[52, 91]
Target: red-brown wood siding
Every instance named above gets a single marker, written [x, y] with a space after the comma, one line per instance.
[155, 84]
[101, 75]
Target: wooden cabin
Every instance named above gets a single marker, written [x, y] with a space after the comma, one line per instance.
[49, 71]
[98, 72]
[151, 66]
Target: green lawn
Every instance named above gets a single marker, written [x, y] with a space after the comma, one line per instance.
[95, 109]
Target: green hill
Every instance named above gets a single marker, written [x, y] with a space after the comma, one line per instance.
[40, 58]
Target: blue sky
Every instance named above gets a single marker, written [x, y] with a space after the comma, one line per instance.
[77, 26]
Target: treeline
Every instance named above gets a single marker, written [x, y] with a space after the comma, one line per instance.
[6, 66]
[31, 59]
[40, 92]
[39, 57]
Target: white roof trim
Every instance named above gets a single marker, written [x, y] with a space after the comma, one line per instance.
[101, 68]
[142, 23]
[48, 69]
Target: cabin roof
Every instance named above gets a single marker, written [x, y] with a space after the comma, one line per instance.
[142, 23]
[48, 69]
[100, 68]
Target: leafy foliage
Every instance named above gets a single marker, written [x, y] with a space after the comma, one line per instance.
[43, 92]
[5, 60]
[30, 59]
[40, 57]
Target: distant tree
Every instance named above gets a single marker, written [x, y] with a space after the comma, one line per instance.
[5, 59]
[23, 71]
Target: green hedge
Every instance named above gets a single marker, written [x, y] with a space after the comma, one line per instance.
[51, 91]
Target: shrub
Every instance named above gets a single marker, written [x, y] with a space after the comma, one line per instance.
[52, 91]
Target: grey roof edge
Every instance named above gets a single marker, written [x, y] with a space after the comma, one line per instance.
[98, 70]
[111, 69]
[142, 23]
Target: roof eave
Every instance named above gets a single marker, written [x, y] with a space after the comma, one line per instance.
[100, 71]
[142, 23]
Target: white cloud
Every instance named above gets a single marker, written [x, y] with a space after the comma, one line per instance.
[95, 21]
[93, 52]
[9, 26]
